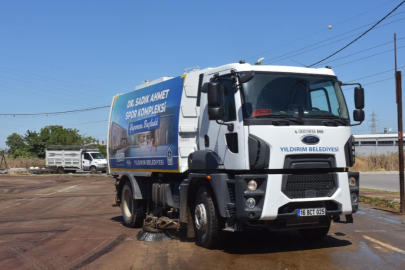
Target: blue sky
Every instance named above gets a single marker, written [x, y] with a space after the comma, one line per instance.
[66, 55]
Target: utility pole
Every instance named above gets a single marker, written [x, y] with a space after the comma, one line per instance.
[398, 87]
[373, 125]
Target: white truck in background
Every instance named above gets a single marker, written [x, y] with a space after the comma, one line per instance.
[70, 158]
[233, 148]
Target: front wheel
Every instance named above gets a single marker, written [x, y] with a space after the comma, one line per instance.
[314, 233]
[132, 210]
[206, 220]
[93, 170]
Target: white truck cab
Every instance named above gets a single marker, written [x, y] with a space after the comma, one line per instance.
[72, 158]
[236, 147]
[93, 161]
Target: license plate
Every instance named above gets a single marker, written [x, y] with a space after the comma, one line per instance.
[310, 212]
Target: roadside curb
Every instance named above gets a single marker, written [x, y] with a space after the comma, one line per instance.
[382, 172]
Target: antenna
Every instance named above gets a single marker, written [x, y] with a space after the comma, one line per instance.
[259, 62]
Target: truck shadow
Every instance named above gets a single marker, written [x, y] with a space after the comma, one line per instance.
[263, 242]
[256, 242]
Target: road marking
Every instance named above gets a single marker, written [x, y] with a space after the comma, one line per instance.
[384, 245]
[363, 231]
[84, 238]
[42, 196]
[59, 191]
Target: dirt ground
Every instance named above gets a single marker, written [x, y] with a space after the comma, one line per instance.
[66, 222]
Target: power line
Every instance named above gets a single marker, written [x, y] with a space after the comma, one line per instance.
[66, 93]
[383, 80]
[18, 92]
[327, 44]
[368, 30]
[328, 39]
[365, 50]
[366, 57]
[62, 68]
[314, 33]
[52, 79]
[45, 85]
[55, 113]
[372, 75]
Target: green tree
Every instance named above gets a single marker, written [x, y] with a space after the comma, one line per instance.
[54, 135]
[21, 154]
[15, 142]
[35, 143]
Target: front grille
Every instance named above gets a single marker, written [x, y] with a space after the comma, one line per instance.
[309, 185]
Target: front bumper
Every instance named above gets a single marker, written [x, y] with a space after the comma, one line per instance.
[274, 204]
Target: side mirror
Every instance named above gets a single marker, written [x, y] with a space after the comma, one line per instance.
[359, 97]
[204, 88]
[215, 94]
[358, 115]
[246, 76]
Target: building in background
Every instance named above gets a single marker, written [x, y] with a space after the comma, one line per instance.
[376, 144]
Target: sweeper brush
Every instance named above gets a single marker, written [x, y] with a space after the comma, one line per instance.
[155, 229]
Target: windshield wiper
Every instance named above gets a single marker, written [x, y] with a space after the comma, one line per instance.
[289, 117]
[334, 117]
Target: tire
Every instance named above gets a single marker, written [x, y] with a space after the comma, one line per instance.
[314, 233]
[61, 170]
[207, 223]
[132, 210]
[93, 170]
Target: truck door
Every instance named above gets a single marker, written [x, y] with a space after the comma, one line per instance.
[86, 160]
[228, 145]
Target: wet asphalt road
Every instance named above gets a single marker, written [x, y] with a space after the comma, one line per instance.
[381, 181]
[65, 222]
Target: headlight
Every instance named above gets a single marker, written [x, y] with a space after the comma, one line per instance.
[352, 181]
[252, 185]
[250, 203]
[354, 198]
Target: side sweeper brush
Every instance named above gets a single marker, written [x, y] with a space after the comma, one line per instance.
[155, 229]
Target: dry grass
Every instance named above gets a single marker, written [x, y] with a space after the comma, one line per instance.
[384, 162]
[25, 162]
[379, 202]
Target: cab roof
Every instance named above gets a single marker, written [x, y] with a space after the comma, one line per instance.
[270, 68]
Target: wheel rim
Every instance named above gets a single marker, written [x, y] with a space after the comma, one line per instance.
[200, 217]
[127, 203]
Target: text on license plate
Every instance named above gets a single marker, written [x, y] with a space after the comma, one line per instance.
[311, 212]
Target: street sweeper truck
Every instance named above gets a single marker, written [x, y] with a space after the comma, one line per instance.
[234, 148]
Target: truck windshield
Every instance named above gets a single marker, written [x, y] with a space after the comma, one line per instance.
[284, 94]
[97, 156]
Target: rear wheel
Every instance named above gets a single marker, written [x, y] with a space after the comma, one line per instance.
[132, 210]
[93, 169]
[207, 222]
[61, 170]
[314, 233]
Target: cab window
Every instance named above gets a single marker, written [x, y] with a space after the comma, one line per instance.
[86, 156]
[229, 99]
